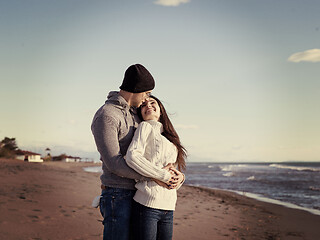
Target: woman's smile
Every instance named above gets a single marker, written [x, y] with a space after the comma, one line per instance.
[150, 110]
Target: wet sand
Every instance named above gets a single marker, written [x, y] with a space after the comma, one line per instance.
[53, 201]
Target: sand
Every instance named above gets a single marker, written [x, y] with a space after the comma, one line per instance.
[52, 200]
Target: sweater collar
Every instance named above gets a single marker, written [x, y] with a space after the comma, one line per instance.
[156, 125]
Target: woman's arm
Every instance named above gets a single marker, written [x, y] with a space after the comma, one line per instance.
[135, 155]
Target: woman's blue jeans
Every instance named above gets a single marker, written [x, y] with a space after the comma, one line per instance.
[151, 223]
[115, 207]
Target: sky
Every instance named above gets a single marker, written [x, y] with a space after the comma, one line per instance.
[239, 78]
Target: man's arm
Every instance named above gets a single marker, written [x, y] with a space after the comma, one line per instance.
[105, 132]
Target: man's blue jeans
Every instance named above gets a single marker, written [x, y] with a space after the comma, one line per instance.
[151, 223]
[115, 207]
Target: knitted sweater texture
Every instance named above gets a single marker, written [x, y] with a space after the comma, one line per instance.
[147, 154]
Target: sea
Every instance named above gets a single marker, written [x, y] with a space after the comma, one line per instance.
[292, 184]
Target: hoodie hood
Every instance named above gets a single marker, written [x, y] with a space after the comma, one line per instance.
[119, 102]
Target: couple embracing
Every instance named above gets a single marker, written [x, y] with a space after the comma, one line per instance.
[142, 157]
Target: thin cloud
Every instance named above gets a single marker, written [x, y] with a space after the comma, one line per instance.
[171, 3]
[236, 147]
[185, 126]
[72, 121]
[312, 55]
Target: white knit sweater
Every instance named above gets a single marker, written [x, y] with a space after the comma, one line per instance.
[147, 154]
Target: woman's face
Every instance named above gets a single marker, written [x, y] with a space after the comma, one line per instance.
[150, 110]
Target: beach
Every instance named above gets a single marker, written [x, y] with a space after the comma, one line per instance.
[52, 200]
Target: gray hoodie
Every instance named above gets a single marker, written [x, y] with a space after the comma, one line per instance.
[113, 127]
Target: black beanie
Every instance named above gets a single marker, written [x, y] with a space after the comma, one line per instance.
[137, 79]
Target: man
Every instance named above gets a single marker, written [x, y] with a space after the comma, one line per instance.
[113, 127]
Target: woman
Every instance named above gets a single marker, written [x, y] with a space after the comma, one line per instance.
[154, 150]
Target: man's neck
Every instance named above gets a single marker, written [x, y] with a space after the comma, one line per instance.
[127, 96]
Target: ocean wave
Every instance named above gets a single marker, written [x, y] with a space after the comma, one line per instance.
[314, 188]
[251, 178]
[234, 166]
[296, 168]
[228, 174]
[298, 187]
[215, 168]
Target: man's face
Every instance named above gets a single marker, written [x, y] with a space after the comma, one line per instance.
[139, 98]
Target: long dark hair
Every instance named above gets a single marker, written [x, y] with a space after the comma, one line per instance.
[170, 133]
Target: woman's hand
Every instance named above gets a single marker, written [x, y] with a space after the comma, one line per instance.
[176, 179]
[166, 184]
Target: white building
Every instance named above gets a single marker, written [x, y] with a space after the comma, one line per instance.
[29, 156]
[71, 159]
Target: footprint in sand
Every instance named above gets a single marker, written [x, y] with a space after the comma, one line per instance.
[64, 213]
[34, 218]
[234, 229]
[22, 196]
[37, 210]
